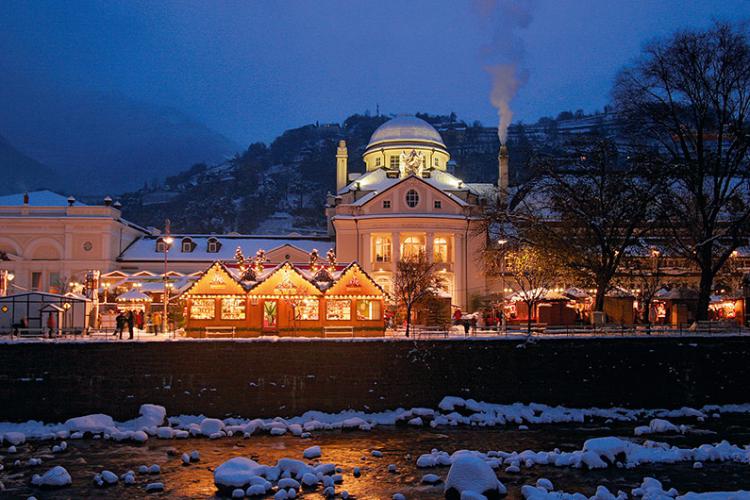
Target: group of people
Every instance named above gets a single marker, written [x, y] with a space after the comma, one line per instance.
[482, 320]
[127, 320]
[131, 320]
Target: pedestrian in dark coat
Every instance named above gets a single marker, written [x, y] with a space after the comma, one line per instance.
[131, 323]
[119, 323]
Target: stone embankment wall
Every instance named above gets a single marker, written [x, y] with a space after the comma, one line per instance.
[265, 378]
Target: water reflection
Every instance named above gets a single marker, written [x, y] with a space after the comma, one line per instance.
[347, 450]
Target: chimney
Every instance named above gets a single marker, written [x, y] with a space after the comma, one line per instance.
[26, 198]
[342, 156]
[502, 163]
[107, 201]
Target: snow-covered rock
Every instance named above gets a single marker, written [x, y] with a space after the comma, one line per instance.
[154, 487]
[652, 489]
[237, 472]
[95, 423]
[14, 438]
[431, 479]
[657, 426]
[56, 477]
[211, 426]
[312, 452]
[469, 473]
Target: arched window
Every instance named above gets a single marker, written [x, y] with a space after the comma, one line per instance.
[161, 246]
[411, 247]
[187, 245]
[412, 198]
[440, 250]
[382, 250]
[213, 245]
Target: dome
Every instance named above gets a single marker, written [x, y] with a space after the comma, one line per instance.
[405, 129]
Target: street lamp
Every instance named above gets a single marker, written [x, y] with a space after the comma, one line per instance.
[501, 243]
[167, 240]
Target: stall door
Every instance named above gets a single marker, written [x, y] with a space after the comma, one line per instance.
[270, 315]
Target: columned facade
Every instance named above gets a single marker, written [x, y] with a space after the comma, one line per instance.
[407, 203]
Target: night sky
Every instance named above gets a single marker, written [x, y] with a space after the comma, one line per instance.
[250, 69]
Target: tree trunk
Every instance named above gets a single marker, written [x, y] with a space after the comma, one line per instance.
[408, 319]
[646, 317]
[704, 293]
[599, 299]
[530, 306]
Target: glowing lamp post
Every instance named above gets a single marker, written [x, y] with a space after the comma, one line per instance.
[167, 240]
[501, 243]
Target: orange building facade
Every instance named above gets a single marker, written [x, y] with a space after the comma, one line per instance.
[286, 301]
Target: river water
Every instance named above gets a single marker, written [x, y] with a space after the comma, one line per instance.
[400, 446]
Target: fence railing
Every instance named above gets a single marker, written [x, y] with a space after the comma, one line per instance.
[609, 330]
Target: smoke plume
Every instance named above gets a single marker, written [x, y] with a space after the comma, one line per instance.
[505, 54]
[505, 84]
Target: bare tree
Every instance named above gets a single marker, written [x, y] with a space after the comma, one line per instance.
[533, 272]
[689, 97]
[416, 279]
[646, 273]
[587, 210]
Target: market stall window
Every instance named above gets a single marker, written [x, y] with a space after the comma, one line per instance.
[307, 309]
[202, 309]
[339, 309]
[368, 309]
[233, 308]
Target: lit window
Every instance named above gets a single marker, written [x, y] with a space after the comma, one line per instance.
[411, 247]
[339, 309]
[395, 162]
[187, 245]
[213, 246]
[307, 309]
[233, 308]
[412, 198]
[386, 284]
[377, 161]
[368, 309]
[382, 248]
[202, 309]
[440, 250]
[36, 281]
[270, 314]
[161, 246]
[438, 204]
[437, 162]
[386, 203]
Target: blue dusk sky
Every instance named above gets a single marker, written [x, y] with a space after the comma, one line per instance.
[250, 69]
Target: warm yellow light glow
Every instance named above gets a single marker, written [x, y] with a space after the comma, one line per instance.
[168, 240]
[502, 242]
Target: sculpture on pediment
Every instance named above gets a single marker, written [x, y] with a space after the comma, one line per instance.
[411, 163]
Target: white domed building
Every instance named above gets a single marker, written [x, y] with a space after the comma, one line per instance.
[406, 202]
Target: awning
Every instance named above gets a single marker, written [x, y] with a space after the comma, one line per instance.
[133, 296]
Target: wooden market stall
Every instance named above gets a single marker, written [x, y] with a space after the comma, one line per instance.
[284, 301]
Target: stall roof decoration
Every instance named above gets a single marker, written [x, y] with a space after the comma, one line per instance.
[352, 280]
[133, 295]
[545, 294]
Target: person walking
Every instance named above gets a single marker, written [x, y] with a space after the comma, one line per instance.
[131, 323]
[119, 324]
[50, 324]
[139, 320]
[156, 320]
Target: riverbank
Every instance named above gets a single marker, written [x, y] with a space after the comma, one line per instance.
[272, 378]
